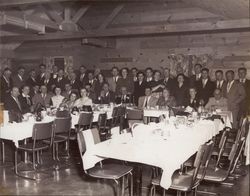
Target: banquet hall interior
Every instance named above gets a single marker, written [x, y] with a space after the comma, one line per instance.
[125, 97]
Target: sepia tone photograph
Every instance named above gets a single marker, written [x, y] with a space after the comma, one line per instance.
[125, 97]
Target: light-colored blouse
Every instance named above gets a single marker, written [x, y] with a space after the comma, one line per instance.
[83, 101]
[57, 100]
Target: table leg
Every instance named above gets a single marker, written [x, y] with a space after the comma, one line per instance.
[138, 180]
[4, 163]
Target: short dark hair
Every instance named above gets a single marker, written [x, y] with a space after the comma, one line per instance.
[198, 64]
[219, 71]
[230, 71]
[149, 68]
[21, 67]
[134, 68]
[42, 65]
[6, 69]
[181, 74]
[242, 69]
[205, 69]
[139, 72]
[114, 67]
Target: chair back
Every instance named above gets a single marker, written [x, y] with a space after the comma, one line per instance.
[62, 113]
[208, 149]
[244, 126]
[235, 154]
[222, 145]
[85, 119]
[200, 156]
[42, 131]
[62, 125]
[102, 120]
[81, 143]
[134, 114]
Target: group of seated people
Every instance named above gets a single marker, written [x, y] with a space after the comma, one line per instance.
[148, 88]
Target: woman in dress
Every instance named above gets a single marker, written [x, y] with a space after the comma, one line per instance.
[57, 99]
[180, 90]
[83, 100]
[166, 100]
[70, 103]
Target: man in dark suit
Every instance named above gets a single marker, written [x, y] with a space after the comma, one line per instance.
[245, 104]
[235, 95]
[48, 82]
[220, 83]
[43, 98]
[112, 81]
[194, 79]
[83, 78]
[25, 100]
[74, 82]
[124, 97]
[205, 87]
[139, 87]
[18, 79]
[167, 81]
[106, 96]
[31, 81]
[6, 83]
[60, 80]
[41, 76]
[12, 103]
[149, 76]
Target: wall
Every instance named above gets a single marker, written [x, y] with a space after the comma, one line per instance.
[221, 50]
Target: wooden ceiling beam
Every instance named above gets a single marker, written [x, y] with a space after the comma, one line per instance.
[4, 3]
[35, 19]
[111, 17]
[190, 28]
[79, 14]
[51, 12]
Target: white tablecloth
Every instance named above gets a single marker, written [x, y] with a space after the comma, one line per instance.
[19, 131]
[226, 115]
[159, 145]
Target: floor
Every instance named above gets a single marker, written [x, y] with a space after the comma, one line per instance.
[71, 180]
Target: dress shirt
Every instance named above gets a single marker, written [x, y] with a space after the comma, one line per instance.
[219, 84]
[204, 82]
[57, 100]
[229, 85]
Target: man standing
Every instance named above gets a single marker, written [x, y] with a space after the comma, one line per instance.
[235, 95]
[220, 83]
[167, 81]
[245, 104]
[139, 88]
[12, 103]
[18, 79]
[6, 83]
[83, 78]
[194, 79]
[112, 81]
[205, 87]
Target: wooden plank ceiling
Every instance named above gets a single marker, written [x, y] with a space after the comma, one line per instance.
[35, 20]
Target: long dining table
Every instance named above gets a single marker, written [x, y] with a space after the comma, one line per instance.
[164, 145]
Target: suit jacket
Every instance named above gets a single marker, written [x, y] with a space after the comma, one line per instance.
[151, 103]
[31, 82]
[194, 104]
[83, 80]
[49, 84]
[205, 92]
[61, 83]
[120, 99]
[128, 83]
[11, 105]
[38, 99]
[235, 95]
[40, 79]
[25, 104]
[139, 90]
[245, 104]
[180, 94]
[112, 83]
[5, 88]
[169, 84]
[218, 104]
[223, 87]
[75, 85]
[17, 82]
[108, 98]
[193, 81]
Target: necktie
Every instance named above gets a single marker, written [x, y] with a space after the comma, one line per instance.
[146, 102]
[28, 101]
[229, 86]
[203, 83]
[18, 103]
